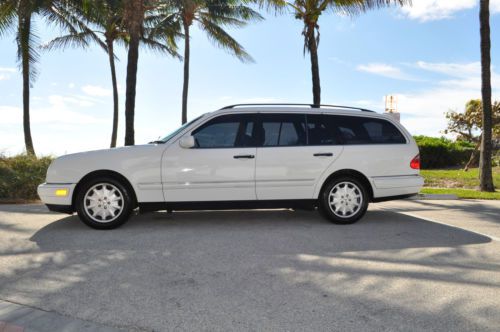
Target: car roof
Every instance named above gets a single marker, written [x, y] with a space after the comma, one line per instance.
[299, 109]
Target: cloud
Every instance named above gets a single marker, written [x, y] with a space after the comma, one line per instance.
[422, 112]
[96, 91]
[452, 85]
[452, 69]
[385, 70]
[460, 75]
[5, 73]
[57, 110]
[431, 10]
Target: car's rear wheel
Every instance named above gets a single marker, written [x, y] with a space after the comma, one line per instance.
[344, 200]
[103, 203]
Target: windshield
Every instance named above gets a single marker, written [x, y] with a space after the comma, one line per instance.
[178, 130]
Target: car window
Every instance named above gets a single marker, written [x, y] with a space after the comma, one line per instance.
[359, 130]
[181, 128]
[271, 133]
[283, 130]
[226, 131]
[321, 130]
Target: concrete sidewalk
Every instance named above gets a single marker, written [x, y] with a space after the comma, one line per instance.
[20, 318]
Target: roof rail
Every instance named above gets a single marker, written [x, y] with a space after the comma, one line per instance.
[293, 104]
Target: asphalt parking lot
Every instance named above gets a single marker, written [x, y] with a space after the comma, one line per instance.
[407, 266]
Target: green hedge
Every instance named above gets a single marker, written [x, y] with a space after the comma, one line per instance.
[21, 175]
[441, 152]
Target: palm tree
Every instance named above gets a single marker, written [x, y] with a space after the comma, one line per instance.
[212, 16]
[139, 19]
[133, 19]
[107, 18]
[18, 15]
[103, 15]
[486, 177]
[309, 11]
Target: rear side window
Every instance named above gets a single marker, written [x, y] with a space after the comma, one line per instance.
[226, 131]
[359, 130]
[321, 130]
[283, 129]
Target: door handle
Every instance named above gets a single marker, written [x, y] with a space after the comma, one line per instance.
[244, 156]
[327, 154]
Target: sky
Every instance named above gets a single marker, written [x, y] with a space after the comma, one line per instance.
[427, 55]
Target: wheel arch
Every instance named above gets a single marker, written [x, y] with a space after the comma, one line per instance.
[105, 173]
[350, 172]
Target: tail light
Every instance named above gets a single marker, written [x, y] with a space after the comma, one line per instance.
[415, 162]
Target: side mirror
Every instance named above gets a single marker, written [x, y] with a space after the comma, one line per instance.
[187, 142]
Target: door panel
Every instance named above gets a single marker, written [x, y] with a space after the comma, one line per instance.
[287, 168]
[291, 172]
[221, 167]
[208, 174]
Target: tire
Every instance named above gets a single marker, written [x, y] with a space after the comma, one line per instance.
[104, 203]
[348, 207]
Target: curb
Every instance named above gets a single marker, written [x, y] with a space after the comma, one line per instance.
[433, 197]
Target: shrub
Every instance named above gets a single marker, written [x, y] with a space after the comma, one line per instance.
[441, 152]
[21, 175]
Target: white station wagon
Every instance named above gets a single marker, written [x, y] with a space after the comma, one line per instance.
[334, 158]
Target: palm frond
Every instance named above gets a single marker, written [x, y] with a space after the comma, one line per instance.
[72, 19]
[223, 40]
[232, 15]
[7, 16]
[159, 47]
[81, 39]
[274, 6]
[354, 7]
[223, 20]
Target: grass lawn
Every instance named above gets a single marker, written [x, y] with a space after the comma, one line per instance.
[462, 193]
[456, 178]
[458, 182]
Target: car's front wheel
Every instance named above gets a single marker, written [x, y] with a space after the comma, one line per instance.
[103, 203]
[344, 200]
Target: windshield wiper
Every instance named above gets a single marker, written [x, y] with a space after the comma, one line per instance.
[157, 142]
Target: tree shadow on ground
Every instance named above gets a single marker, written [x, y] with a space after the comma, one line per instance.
[260, 270]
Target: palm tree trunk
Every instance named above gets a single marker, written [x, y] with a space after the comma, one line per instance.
[486, 178]
[313, 51]
[185, 86]
[24, 40]
[135, 17]
[111, 55]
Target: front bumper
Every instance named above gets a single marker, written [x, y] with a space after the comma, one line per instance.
[56, 194]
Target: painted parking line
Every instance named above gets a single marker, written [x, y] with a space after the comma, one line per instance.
[415, 215]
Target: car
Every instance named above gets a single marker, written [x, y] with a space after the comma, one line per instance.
[336, 159]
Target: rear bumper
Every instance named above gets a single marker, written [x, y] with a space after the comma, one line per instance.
[387, 186]
[56, 194]
[389, 182]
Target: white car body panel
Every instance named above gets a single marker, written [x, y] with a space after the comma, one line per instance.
[208, 174]
[169, 173]
[139, 164]
[291, 172]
